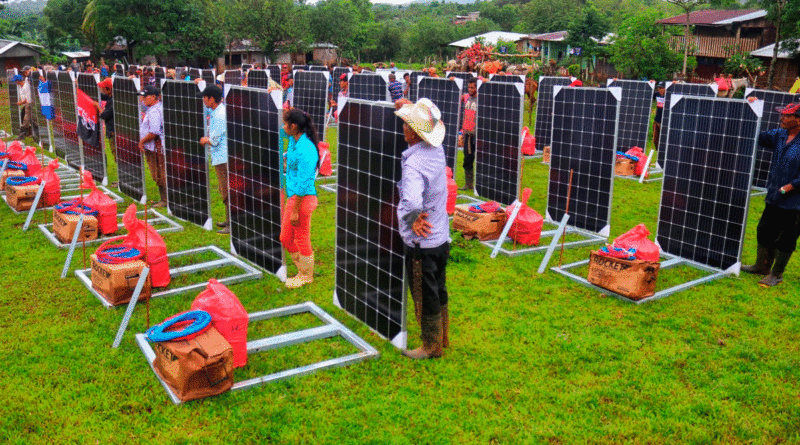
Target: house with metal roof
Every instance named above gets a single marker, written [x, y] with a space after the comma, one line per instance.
[16, 54]
[545, 46]
[787, 66]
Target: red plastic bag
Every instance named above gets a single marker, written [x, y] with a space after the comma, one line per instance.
[528, 142]
[228, 315]
[145, 238]
[641, 165]
[29, 159]
[527, 226]
[106, 207]
[325, 168]
[637, 238]
[14, 151]
[452, 191]
[52, 187]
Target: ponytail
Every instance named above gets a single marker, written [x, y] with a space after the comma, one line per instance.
[303, 121]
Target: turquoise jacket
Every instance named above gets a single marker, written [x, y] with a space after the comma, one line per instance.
[301, 167]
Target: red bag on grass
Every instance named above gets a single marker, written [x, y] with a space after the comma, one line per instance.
[31, 161]
[14, 151]
[52, 187]
[106, 207]
[641, 165]
[528, 142]
[527, 226]
[636, 238]
[452, 191]
[145, 238]
[228, 316]
[325, 168]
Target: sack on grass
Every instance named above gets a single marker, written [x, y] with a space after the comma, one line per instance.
[527, 226]
[228, 315]
[641, 163]
[105, 206]
[636, 238]
[52, 187]
[325, 167]
[528, 142]
[144, 237]
[29, 159]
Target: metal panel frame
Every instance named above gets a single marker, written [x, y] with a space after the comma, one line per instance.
[332, 328]
[590, 238]
[152, 219]
[225, 259]
[76, 194]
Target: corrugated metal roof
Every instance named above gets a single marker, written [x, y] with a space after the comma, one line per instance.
[490, 38]
[715, 17]
[556, 36]
[6, 45]
[769, 49]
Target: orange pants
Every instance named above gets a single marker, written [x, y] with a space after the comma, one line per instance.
[298, 238]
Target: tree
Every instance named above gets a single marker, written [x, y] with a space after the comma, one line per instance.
[270, 24]
[640, 50]
[586, 31]
[687, 6]
[548, 15]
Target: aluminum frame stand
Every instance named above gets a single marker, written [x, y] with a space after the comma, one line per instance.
[103, 189]
[332, 328]
[154, 218]
[590, 238]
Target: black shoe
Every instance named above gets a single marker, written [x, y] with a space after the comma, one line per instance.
[224, 231]
[223, 224]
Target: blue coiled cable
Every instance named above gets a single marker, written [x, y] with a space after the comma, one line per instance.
[21, 180]
[200, 320]
[16, 165]
[117, 254]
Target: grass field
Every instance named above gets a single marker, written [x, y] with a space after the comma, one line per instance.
[534, 358]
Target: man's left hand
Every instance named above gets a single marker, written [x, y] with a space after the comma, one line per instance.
[204, 140]
[421, 226]
[787, 188]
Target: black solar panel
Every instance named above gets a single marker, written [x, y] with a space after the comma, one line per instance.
[412, 89]
[94, 156]
[318, 68]
[195, 73]
[258, 79]
[187, 165]
[119, 69]
[770, 120]
[634, 113]
[369, 250]
[37, 120]
[13, 98]
[274, 73]
[707, 179]
[446, 95]
[69, 119]
[210, 76]
[160, 74]
[299, 67]
[511, 78]
[460, 75]
[233, 78]
[311, 96]
[57, 123]
[246, 67]
[584, 129]
[498, 128]
[544, 109]
[368, 87]
[692, 89]
[127, 117]
[254, 122]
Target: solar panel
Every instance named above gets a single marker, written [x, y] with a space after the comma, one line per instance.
[707, 178]
[186, 159]
[318, 68]
[94, 156]
[368, 87]
[311, 96]
[209, 76]
[274, 73]
[119, 69]
[684, 89]
[585, 122]
[130, 161]
[299, 67]
[160, 73]
[769, 121]
[36, 110]
[460, 75]
[57, 123]
[369, 250]
[258, 79]
[254, 122]
[634, 112]
[544, 110]
[69, 119]
[246, 67]
[195, 73]
[233, 77]
[446, 95]
[13, 98]
[412, 89]
[512, 78]
[498, 138]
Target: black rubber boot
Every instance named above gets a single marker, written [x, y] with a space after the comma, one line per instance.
[469, 181]
[776, 274]
[431, 338]
[764, 260]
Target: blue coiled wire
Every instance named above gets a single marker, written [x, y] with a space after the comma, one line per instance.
[200, 320]
[21, 180]
[117, 254]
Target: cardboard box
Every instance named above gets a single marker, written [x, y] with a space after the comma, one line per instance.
[546, 154]
[20, 197]
[634, 279]
[8, 173]
[484, 226]
[625, 167]
[64, 225]
[116, 282]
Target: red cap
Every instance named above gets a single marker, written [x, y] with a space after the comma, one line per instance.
[107, 83]
[576, 83]
[793, 108]
[343, 77]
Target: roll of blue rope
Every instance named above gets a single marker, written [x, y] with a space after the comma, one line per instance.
[21, 180]
[117, 254]
[16, 165]
[200, 320]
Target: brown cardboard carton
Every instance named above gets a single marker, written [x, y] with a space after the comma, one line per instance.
[634, 279]
[8, 173]
[20, 197]
[546, 154]
[64, 225]
[625, 167]
[484, 226]
[116, 282]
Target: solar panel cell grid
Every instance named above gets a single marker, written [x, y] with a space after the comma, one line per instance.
[684, 89]
[634, 114]
[130, 162]
[370, 87]
[94, 156]
[69, 118]
[446, 95]
[13, 98]
[769, 121]
[412, 89]
[57, 123]
[311, 96]
[258, 79]
[544, 109]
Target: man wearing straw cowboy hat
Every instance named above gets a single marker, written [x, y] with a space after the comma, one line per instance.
[423, 221]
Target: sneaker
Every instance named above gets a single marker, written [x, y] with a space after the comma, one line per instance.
[224, 231]
[222, 224]
[159, 204]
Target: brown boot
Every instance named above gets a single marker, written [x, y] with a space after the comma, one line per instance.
[305, 271]
[775, 276]
[431, 338]
[445, 327]
[469, 180]
[764, 259]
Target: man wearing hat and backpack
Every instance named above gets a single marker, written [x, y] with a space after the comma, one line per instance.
[423, 221]
[779, 226]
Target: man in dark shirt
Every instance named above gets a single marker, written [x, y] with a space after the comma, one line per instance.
[395, 88]
[661, 90]
[106, 110]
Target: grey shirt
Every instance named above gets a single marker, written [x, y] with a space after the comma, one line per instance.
[423, 188]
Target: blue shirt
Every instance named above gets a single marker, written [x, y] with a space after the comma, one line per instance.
[153, 122]
[301, 167]
[396, 90]
[785, 168]
[218, 135]
[423, 188]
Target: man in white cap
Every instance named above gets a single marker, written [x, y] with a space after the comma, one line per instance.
[423, 222]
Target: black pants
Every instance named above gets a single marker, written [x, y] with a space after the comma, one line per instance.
[469, 152]
[434, 276]
[779, 228]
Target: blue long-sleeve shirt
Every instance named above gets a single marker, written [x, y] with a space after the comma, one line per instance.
[785, 168]
[423, 189]
[218, 135]
[301, 167]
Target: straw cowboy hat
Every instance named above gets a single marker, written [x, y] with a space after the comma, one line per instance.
[425, 119]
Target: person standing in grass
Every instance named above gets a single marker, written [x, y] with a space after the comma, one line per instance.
[423, 221]
[217, 142]
[151, 134]
[395, 88]
[468, 133]
[24, 102]
[779, 226]
[659, 96]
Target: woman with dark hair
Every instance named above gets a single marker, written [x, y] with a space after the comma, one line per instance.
[302, 159]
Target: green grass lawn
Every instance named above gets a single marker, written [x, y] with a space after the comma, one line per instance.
[534, 358]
